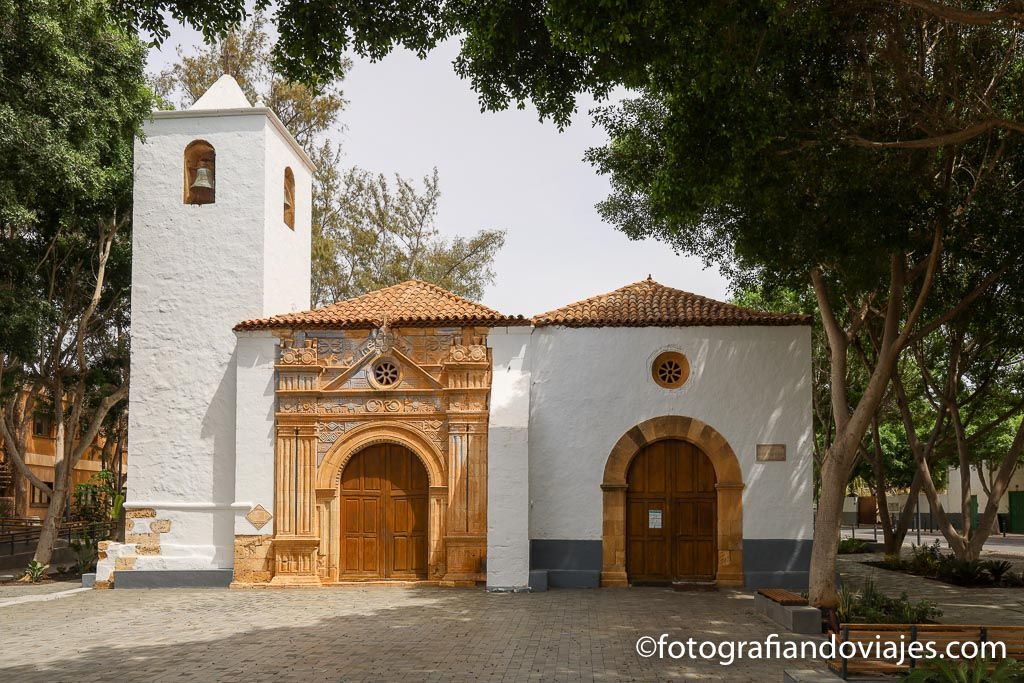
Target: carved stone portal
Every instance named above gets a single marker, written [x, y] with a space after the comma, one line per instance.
[330, 407]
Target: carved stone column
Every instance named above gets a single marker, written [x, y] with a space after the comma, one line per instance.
[730, 534]
[613, 549]
[436, 528]
[295, 538]
[468, 371]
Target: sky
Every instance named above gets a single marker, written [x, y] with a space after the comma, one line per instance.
[502, 170]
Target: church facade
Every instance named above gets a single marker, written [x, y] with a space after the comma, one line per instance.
[643, 436]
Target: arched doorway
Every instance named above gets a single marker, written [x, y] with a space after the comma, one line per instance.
[383, 495]
[728, 488]
[671, 514]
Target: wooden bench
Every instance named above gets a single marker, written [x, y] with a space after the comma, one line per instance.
[940, 634]
[782, 596]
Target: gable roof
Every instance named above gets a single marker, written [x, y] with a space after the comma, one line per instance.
[412, 303]
[650, 304]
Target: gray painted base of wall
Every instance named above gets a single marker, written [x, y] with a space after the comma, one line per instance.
[776, 562]
[566, 563]
[574, 578]
[198, 578]
[538, 580]
[767, 563]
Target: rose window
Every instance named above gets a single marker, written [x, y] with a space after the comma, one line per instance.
[385, 373]
[670, 369]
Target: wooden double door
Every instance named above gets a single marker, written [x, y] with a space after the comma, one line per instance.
[384, 496]
[671, 515]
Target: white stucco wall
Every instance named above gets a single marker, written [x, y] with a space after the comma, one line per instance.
[286, 277]
[590, 386]
[508, 531]
[951, 499]
[254, 420]
[197, 271]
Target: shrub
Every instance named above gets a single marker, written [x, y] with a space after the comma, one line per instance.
[870, 606]
[963, 572]
[850, 546]
[925, 559]
[893, 561]
[997, 569]
[35, 571]
[1014, 580]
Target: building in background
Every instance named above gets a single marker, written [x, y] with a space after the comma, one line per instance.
[18, 498]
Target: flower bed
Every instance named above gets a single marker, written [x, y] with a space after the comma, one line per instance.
[929, 561]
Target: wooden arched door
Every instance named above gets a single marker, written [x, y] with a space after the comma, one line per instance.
[671, 515]
[384, 495]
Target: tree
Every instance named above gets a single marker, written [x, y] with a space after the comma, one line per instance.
[972, 380]
[366, 234]
[74, 98]
[377, 234]
[855, 147]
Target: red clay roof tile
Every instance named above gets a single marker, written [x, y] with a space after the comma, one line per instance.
[650, 304]
[412, 303]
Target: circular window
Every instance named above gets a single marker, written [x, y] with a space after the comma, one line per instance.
[670, 369]
[385, 373]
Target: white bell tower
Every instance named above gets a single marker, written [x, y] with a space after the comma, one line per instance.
[221, 234]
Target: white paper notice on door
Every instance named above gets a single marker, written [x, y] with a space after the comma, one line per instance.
[654, 519]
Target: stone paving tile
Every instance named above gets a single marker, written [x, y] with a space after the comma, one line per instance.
[374, 633]
[959, 605]
[17, 590]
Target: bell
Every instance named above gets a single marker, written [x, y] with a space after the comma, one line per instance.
[203, 179]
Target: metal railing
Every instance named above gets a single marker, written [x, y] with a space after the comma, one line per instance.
[20, 535]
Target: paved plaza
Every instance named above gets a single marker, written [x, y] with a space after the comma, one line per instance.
[373, 633]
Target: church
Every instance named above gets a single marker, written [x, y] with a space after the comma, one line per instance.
[644, 436]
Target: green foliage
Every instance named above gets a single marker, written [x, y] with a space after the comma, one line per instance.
[930, 561]
[870, 606]
[997, 569]
[97, 503]
[377, 233]
[851, 546]
[973, 671]
[73, 98]
[36, 572]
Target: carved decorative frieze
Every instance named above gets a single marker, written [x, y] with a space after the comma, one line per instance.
[328, 432]
[299, 355]
[474, 353]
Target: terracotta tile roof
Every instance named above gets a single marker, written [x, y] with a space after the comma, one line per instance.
[412, 303]
[650, 304]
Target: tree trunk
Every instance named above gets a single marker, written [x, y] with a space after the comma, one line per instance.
[827, 525]
[49, 535]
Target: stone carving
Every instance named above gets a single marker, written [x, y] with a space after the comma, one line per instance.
[297, 405]
[476, 353]
[329, 432]
[299, 355]
[258, 516]
[411, 404]
[435, 430]
[467, 403]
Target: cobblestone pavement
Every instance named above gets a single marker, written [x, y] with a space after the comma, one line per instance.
[374, 633]
[959, 605]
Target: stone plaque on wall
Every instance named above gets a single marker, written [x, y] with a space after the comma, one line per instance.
[771, 452]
